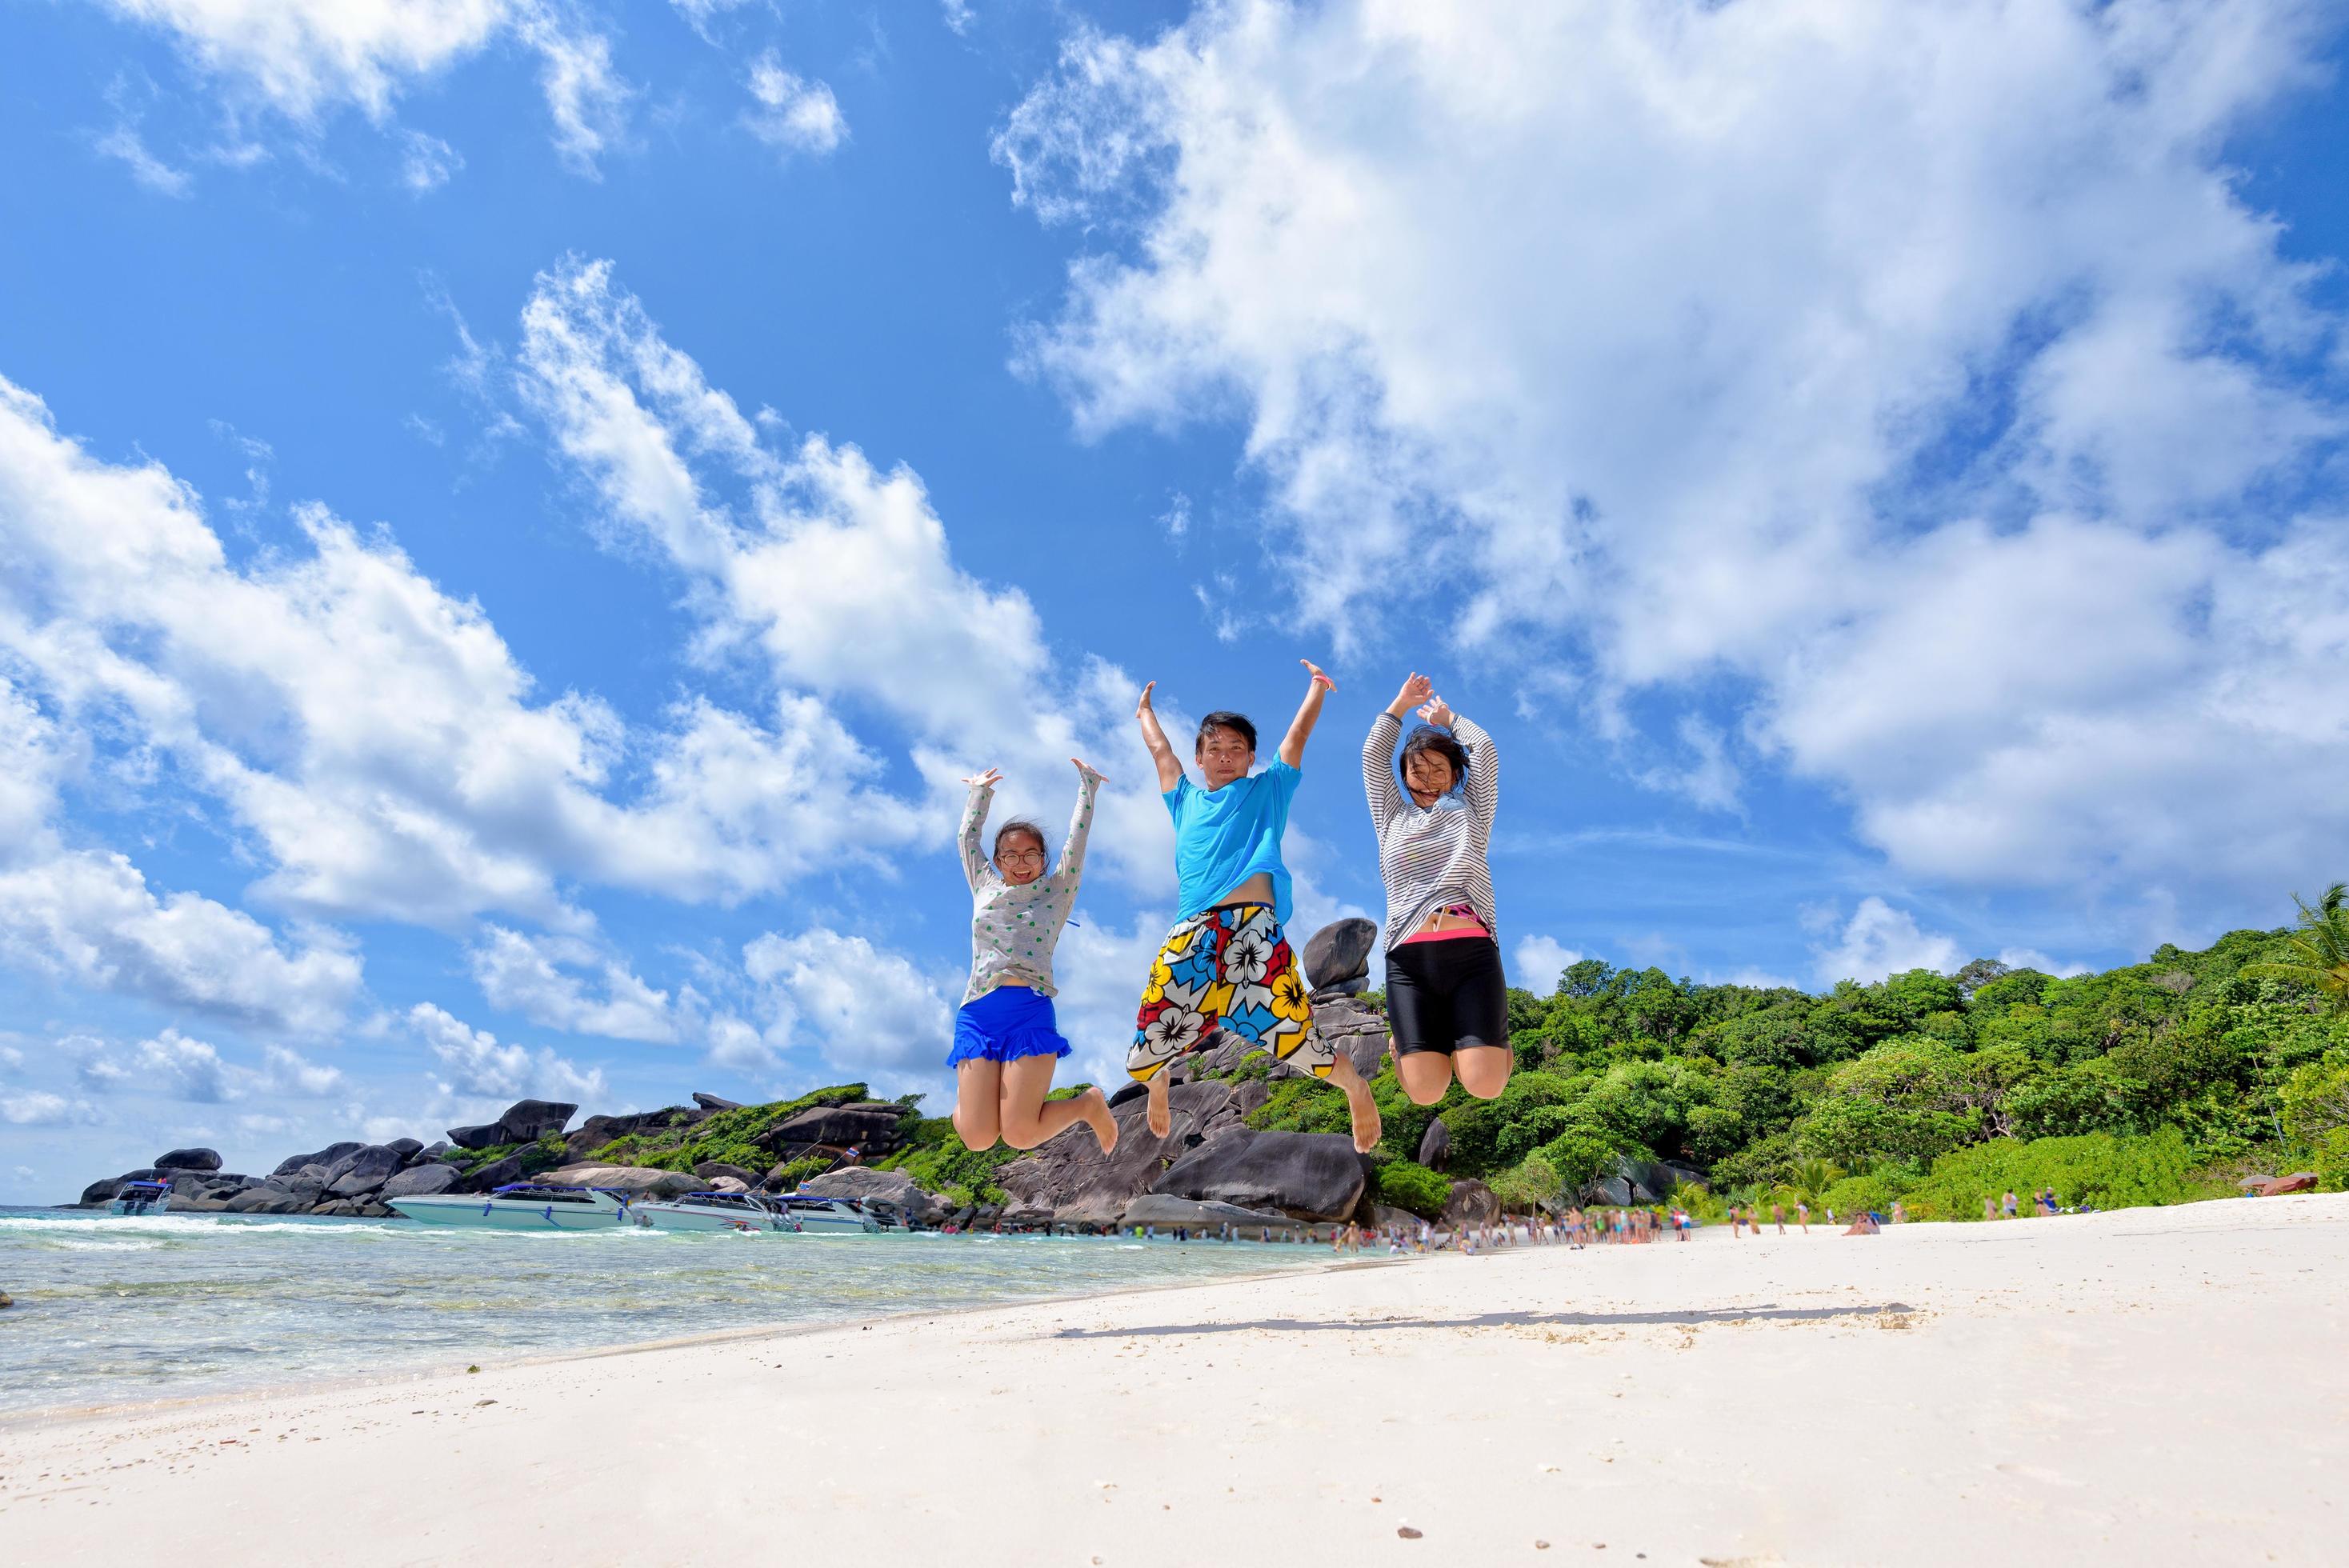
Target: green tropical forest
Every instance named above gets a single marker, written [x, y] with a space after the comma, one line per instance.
[2160, 1082]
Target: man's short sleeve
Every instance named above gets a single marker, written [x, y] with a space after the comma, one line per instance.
[1282, 777]
[1178, 797]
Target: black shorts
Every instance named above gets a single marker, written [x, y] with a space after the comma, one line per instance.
[1447, 995]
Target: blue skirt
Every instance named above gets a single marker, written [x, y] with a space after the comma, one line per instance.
[1006, 1024]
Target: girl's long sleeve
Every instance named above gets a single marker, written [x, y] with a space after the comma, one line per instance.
[1080, 824]
[1379, 771]
[974, 817]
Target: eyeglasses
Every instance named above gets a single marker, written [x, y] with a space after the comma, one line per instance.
[1019, 857]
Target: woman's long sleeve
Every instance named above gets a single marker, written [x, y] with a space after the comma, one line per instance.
[1080, 824]
[1483, 789]
[1379, 771]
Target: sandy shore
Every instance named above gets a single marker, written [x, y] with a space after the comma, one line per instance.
[2154, 1386]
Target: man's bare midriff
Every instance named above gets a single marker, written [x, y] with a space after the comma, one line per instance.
[1257, 889]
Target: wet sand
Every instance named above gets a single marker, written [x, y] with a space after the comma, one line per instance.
[2152, 1385]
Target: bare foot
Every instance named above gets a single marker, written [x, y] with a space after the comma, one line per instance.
[1157, 1111]
[1098, 1118]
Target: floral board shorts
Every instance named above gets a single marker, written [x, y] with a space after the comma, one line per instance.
[1229, 968]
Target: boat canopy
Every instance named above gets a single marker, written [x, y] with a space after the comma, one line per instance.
[143, 1187]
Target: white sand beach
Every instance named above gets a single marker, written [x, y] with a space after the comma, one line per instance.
[2151, 1386]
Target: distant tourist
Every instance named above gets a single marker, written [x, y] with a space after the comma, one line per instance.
[1778, 1217]
[1900, 1214]
[1803, 1216]
[2007, 1205]
[1990, 1209]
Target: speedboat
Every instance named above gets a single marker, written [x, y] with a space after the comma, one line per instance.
[141, 1198]
[744, 1212]
[520, 1206]
[817, 1215]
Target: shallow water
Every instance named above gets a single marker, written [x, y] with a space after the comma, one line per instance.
[117, 1309]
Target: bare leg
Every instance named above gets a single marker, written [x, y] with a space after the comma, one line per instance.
[1484, 1069]
[1360, 1106]
[1156, 1108]
[1426, 1076]
[1029, 1118]
[978, 1088]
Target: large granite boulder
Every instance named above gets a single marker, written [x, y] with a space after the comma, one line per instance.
[1080, 1185]
[1356, 1029]
[717, 1170]
[636, 1181]
[1157, 1208]
[303, 1187]
[525, 1121]
[496, 1173]
[187, 1160]
[408, 1148]
[1337, 957]
[420, 1181]
[1470, 1203]
[869, 1128]
[892, 1188]
[1436, 1145]
[100, 1192]
[1130, 1094]
[324, 1158]
[597, 1130]
[712, 1102]
[1306, 1175]
[268, 1201]
[1641, 1181]
[362, 1171]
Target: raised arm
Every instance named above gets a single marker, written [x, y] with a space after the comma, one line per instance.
[1308, 714]
[974, 817]
[1378, 752]
[1170, 766]
[1081, 823]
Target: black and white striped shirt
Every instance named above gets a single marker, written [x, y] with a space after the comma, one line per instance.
[1435, 855]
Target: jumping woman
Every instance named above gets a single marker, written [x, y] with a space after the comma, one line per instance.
[1227, 963]
[1005, 1041]
[1447, 1004]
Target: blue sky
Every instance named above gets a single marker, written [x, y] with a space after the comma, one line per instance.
[515, 515]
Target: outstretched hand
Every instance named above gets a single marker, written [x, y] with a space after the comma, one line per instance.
[1088, 770]
[1143, 705]
[987, 780]
[1436, 711]
[1416, 691]
[1316, 672]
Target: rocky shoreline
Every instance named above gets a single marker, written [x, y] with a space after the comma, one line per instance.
[1213, 1168]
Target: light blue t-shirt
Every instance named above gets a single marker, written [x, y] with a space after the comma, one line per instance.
[1222, 837]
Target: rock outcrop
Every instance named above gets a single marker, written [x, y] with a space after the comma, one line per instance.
[712, 1102]
[718, 1169]
[189, 1160]
[1158, 1209]
[525, 1121]
[427, 1178]
[1435, 1146]
[1306, 1175]
[892, 1188]
[1470, 1203]
[1073, 1181]
[869, 1127]
[635, 1179]
[1337, 957]
[363, 1170]
[324, 1158]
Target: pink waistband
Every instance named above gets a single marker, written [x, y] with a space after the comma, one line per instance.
[1450, 933]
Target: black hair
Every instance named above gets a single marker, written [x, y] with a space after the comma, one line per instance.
[1427, 738]
[1016, 826]
[1237, 723]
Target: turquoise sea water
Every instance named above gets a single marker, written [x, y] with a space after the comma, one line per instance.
[111, 1309]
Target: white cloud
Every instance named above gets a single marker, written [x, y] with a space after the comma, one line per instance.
[1540, 961]
[174, 1066]
[1880, 940]
[793, 115]
[305, 58]
[840, 574]
[373, 736]
[869, 1011]
[2032, 958]
[1917, 382]
[957, 15]
[38, 1107]
[478, 1067]
[426, 163]
[127, 147]
[532, 975]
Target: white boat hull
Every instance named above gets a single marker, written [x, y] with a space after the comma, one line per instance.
[482, 1214]
[676, 1217]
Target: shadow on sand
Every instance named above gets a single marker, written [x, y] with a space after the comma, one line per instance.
[1766, 1313]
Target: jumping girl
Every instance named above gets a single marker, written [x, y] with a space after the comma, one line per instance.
[1005, 1041]
[1447, 1002]
[1227, 964]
